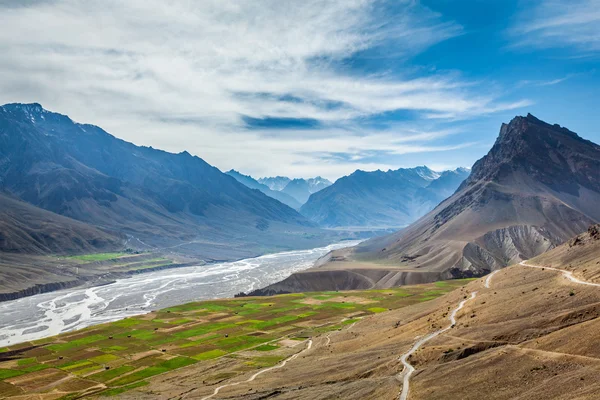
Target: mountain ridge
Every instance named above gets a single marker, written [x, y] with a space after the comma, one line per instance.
[162, 199]
[536, 184]
[254, 184]
[391, 198]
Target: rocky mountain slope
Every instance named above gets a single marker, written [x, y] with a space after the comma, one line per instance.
[382, 199]
[156, 199]
[538, 186]
[28, 229]
[250, 182]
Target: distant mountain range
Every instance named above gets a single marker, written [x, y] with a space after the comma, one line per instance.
[382, 199]
[302, 189]
[293, 192]
[276, 183]
[538, 186]
[119, 192]
[254, 184]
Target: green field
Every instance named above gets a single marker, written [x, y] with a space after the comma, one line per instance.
[98, 256]
[123, 355]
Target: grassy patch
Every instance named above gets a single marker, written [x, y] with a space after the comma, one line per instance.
[9, 373]
[104, 359]
[26, 361]
[127, 322]
[177, 362]
[266, 347]
[377, 309]
[114, 348]
[98, 256]
[118, 391]
[76, 343]
[36, 367]
[139, 375]
[105, 376]
[209, 355]
[75, 365]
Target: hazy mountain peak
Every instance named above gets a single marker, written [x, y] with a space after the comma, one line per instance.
[254, 184]
[426, 173]
[276, 183]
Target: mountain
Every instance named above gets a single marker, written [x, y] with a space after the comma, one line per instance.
[159, 200]
[392, 198]
[317, 184]
[275, 183]
[538, 186]
[302, 189]
[25, 228]
[254, 184]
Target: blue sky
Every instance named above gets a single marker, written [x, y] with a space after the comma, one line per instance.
[318, 87]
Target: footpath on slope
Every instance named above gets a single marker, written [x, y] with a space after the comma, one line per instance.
[408, 368]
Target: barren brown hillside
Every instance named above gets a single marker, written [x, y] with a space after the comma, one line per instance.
[532, 334]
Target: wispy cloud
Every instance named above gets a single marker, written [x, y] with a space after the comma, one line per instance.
[557, 23]
[197, 75]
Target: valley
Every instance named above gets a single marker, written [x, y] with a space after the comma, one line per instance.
[525, 332]
[218, 341]
[288, 200]
[126, 295]
[529, 325]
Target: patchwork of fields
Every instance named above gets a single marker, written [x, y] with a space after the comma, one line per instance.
[253, 332]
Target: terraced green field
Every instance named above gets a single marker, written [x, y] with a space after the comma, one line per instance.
[98, 256]
[112, 358]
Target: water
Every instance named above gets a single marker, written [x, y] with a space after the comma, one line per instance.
[49, 314]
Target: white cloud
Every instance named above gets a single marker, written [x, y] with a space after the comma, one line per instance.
[142, 68]
[558, 23]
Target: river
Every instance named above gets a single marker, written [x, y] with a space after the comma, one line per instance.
[49, 314]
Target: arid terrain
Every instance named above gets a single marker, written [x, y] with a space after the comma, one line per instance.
[532, 334]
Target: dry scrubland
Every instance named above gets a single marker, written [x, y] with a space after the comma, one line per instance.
[216, 340]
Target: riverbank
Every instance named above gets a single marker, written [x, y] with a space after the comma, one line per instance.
[208, 342]
[47, 314]
[26, 275]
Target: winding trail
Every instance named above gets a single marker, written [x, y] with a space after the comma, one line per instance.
[488, 280]
[566, 274]
[409, 369]
[262, 371]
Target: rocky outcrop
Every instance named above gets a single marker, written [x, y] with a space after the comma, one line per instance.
[316, 280]
[503, 247]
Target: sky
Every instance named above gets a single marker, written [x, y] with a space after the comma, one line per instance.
[307, 88]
